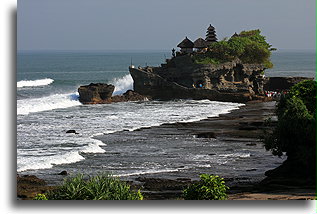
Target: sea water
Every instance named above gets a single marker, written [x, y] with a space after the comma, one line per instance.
[48, 106]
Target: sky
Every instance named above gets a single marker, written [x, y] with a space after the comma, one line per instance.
[159, 24]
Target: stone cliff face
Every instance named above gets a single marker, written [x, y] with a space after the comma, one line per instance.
[181, 78]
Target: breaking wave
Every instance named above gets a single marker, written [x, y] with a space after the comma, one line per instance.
[122, 84]
[51, 102]
[34, 83]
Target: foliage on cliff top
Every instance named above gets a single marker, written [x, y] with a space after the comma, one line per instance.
[248, 46]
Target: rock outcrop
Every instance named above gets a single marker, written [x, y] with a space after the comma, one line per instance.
[100, 93]
[129, 95]
[282, 83]
[180, 78]
[95, 93]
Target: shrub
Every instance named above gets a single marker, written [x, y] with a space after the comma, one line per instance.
[209, 187]
[40, 197]
[295, 132]
[102, 187]
[306, 91]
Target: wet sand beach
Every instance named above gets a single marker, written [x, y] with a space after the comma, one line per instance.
[242, 127]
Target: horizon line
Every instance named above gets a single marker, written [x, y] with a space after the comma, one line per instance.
[133, 50]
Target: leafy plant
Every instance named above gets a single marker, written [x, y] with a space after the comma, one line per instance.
[209, 187]
[102, 187]
[295, 132]
[306, 91]
[40, 197]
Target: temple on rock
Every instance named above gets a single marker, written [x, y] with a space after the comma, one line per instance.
[181, 77]
[200, 45]
[211, 35]
[186, 46]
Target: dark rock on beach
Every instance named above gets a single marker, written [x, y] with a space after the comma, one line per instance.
[71, 131]
[63, 173]
[28, 186]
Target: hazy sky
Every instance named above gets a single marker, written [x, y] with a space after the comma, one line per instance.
[159, 24]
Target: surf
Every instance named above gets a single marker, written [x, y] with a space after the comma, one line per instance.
[56, 101]
[34, 83]
[122, 84]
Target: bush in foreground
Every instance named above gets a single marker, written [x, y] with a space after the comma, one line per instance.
[295, 133]
[102, 187]
[209, 187]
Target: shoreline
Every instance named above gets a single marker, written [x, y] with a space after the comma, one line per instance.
[244, 125]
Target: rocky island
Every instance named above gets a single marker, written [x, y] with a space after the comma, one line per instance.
[229, 70]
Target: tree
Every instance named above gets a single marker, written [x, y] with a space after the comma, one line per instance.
[248, 46]
[295, 133]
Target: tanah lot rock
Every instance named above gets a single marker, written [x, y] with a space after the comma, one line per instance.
[181, 78]
[95, 93]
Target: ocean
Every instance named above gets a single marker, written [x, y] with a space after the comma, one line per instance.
[48, 106]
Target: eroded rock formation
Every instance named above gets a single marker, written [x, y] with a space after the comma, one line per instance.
[100, 93]
[180, 78]
[95, 93]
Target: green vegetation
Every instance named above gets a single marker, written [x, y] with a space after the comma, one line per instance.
[103, 187]
[248, 46]
[295, 132]
[209, 187]
[40, 197]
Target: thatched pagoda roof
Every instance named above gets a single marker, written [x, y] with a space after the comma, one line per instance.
[210, 28]
[200, 43]
[186, 43]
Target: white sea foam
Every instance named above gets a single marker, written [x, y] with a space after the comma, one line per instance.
[56, 101]
[45, 162]
[236, 155]
[94, 147]
[45, 132]
[122, 84]
[150, 171]
[40, 161]
[34, 83]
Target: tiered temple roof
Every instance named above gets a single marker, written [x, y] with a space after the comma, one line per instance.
[186, 43]
[211, 35]
[200, 43]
